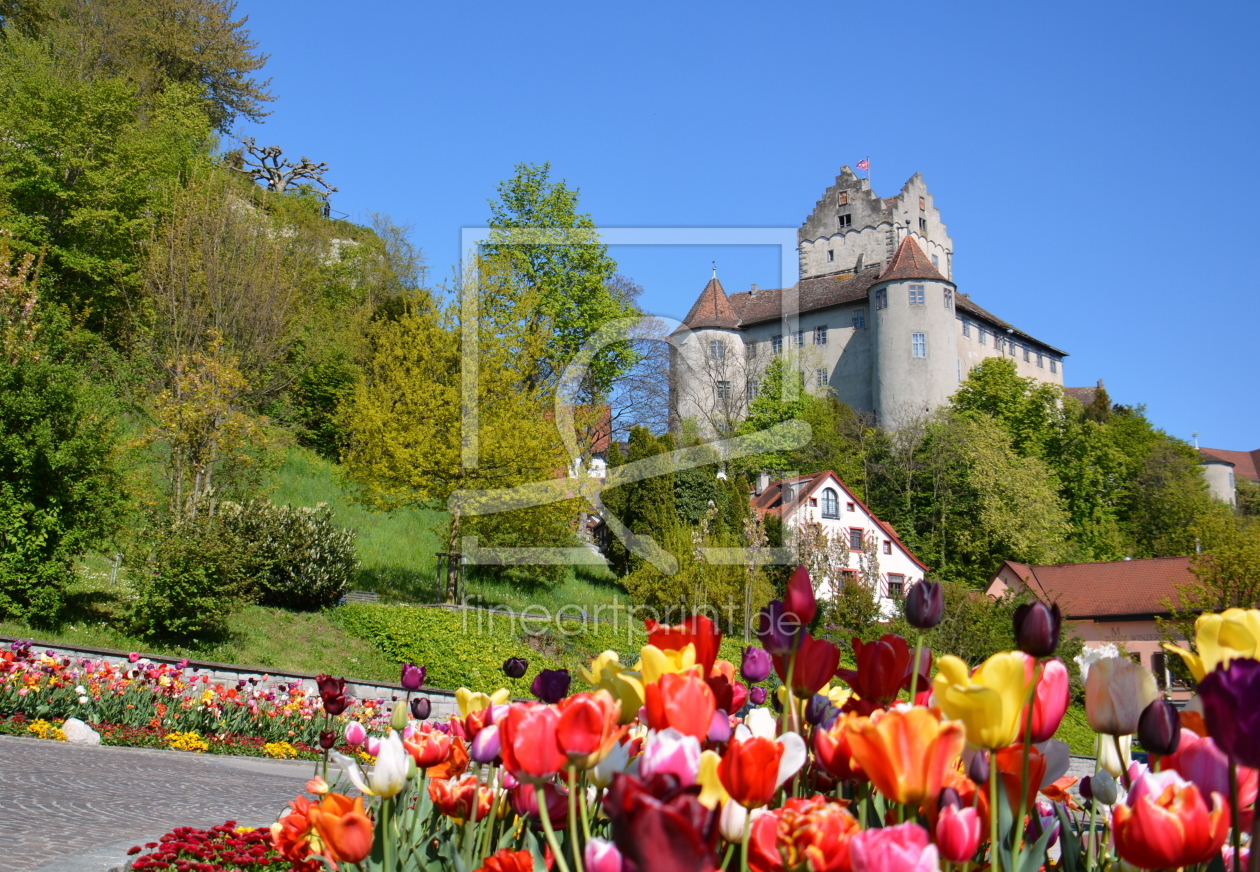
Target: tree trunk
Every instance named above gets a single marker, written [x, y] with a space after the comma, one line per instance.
[453, 563]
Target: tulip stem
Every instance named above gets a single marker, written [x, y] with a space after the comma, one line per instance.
[1235, 813]
[1124, 770]
[743, 843]
[914, 675]
[586, 818]
[995, 861]
[1093, 811]
[561, 863]
[1023, 781]
[573, 817]
[390, 840]
[1254, 864]
[470, 825]
[484, 842]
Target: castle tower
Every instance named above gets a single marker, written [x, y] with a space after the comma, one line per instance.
[853, 229]
[707, 383]
[915, 337]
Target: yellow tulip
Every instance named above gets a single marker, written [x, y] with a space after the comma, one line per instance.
[988, 701]
[1232, 634]
[625, 685]
[712, 793]
[468, 701]
[838, 695]
[654, 662]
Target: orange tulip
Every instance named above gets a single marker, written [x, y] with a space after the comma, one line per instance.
[905, 754]
[814, 834]
[455, 764]
[344, 829]
[455, 798]
[428, 746]
[750, 770]
[588, 727]
[1165, 824]
[682, 701]
[1010, 763]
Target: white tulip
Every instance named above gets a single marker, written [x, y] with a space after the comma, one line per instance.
[758, 722]
[388, 776]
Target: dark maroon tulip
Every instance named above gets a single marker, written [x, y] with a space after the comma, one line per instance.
[336, 705]
[1086, 787]
[515, 667]
[1231, 708]
[799, 599]
[421, 708]
[756, 665]
[777, 629]
[330, 687]
[978, 768]
[413, 676]
[327, 739]
[883, 669]
[658, 826]
[1159, 728]
[551, 685]
[925, 605]
[1037, 627]
[757, 696]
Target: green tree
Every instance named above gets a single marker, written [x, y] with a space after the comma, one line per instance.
[1248, 497]
[1168, 498]
[575, 282]
[645, 507]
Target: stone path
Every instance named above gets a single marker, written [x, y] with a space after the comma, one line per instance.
[72, 808]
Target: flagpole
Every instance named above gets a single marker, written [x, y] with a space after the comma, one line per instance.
[868, 175]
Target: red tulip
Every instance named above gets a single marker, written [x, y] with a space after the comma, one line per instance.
[799, 599]
[454, 765]
[1165, 824]
[1010, 765]
[958, 833]
[811, 834]
[1051, 701]
[696, 630]
[883, 669]
[750, 770]
[816, 662]
[524, 799]
[507, 860]
[833, 753]
[681, 701]
[530, 749]
[428, 746]
[455, 798]
[660, 827]
[588, 727]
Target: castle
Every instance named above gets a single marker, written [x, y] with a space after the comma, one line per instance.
[875, 318]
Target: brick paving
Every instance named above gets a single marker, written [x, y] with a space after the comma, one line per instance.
[72, 808]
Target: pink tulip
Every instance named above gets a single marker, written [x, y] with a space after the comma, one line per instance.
[602, 856]
[671, 751]
[372, 745]
[133, 656]
[903, 848]
[1198, 760]
[355, 733]
[958, 833]
[1051, 701]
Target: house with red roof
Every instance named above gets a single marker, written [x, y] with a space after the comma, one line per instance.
[875, 319]
[1222, 468]
[876, 555]
[1118, 601]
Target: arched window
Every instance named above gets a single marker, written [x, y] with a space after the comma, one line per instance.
[830, 504]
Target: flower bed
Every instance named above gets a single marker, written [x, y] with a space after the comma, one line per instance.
[225, 848]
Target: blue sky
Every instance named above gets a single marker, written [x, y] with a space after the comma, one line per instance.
[1093, 161]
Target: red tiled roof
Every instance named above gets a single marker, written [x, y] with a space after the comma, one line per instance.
[770, 501]
[1246, 463]
[1115, 588]
[1084, 396]
[812, 294]
[910, 263]
[712, 309]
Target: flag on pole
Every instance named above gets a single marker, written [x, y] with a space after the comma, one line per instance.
[864, 164]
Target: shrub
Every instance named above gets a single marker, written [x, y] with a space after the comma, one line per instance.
[298, 558]
[195, 577]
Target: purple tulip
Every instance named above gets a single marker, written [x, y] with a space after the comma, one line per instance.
[756, 665]
[421, 708]
[515, 667]
[485, 748]
[978, 768]
[1231, 708]
[817, 710]
[757, 696]
[949, 796]
[777, 629]
[925, 605]
[1086, 787]
[720, 727]
[551, 685]
[413, 676]
[1159, 728]
[1037, 628]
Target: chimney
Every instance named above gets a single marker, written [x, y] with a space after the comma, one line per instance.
[763, 482]
[753, 292]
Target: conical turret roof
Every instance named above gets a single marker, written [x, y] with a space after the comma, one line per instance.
[910, 263]
[712, 309]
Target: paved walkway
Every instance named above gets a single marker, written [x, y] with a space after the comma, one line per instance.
[71, 808]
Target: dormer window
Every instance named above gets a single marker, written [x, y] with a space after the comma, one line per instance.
[845, 221]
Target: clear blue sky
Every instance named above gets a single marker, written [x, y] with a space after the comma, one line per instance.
[1093, 161]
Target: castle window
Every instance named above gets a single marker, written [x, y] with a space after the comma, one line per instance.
[936, 261]
[923, 224]
[983, 333]
[820, 377]
[918, 344]
[888, 546]
[820, 335]
[750, 349]
[855, 538]
[717, 349]
[916, 295]
[881, 298]
[1040, 361]
[1054, 365]
[859, 319]
[949, 299]
[1014, 347]
[967, 329]
[831, 255]
[776, 344]
[1027, 354]
[752, 389]
[798, 338]
[896, 586]
[844, 198]
[830, 504]
[724, 391]
[845, 221]
[922, 204]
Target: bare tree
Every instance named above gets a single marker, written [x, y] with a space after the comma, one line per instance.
[266, 165]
